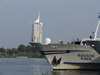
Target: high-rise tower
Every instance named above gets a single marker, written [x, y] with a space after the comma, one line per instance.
[37, 31]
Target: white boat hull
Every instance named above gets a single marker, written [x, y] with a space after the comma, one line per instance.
[63, 56]
[72, 65]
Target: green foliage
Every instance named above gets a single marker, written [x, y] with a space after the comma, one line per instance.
[2, 50]
[22, 50]
[29, 49]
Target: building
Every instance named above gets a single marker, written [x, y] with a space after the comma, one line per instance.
[37, 31]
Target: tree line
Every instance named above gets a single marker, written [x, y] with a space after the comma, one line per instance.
[22, 50]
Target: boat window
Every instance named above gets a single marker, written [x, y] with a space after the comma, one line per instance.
[53, 46]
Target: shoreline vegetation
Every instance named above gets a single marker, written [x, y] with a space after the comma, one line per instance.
[21, 52]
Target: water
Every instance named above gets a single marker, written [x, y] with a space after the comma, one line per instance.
[36, 66]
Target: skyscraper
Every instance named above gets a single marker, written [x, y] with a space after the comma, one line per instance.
[37, 31]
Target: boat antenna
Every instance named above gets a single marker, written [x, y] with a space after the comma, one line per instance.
[97, 27]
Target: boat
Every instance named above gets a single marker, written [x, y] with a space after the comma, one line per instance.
[80, 54]
[69, 56]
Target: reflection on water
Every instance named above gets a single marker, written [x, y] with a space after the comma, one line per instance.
[73, 72]
[36, 66]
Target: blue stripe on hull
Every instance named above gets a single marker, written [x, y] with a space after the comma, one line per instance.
[50, 52]
[81, 63]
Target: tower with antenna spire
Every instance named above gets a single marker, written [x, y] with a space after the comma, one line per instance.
[37, 30]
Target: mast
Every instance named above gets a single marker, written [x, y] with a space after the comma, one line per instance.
[97, 28]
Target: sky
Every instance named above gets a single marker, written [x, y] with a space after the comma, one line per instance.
[63, 20]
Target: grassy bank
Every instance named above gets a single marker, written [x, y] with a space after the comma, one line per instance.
[28, 55]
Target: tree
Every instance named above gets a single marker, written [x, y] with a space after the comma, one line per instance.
[28, 48]
[9, 51]
[22, 48]
[14, 50]
[2, 50]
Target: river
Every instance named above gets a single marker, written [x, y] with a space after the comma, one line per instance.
[36, 66]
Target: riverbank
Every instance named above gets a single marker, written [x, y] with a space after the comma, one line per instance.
[23, 55]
